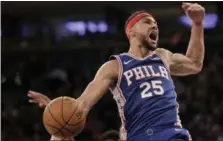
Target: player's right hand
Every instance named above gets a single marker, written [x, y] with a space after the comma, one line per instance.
[195, 11]
[38, 98]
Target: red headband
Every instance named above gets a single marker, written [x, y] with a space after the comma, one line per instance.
[134, 20]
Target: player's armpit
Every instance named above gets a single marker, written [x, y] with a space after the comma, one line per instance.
[104, 78]
[181, 65]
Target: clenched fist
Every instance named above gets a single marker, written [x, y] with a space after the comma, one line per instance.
[195, 11]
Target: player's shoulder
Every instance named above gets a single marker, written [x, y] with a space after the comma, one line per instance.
[118, 56]
[109, 69]
[113, 63]
[162, 51]
[165, 55]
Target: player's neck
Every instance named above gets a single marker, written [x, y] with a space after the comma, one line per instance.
[137, 49]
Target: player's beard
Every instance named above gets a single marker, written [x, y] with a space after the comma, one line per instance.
[146, 43]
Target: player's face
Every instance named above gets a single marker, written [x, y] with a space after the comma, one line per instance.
[147, 32]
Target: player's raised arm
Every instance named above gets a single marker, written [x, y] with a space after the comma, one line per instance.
[192, 62]
[182, 65]
[104, 78]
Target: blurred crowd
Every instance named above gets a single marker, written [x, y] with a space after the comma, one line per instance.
[200, 98]
[68, 72]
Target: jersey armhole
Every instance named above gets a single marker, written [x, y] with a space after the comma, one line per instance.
[118, 83]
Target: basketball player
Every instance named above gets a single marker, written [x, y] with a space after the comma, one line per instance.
[140, 79]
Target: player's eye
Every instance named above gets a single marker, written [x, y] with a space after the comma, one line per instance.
[148, 21]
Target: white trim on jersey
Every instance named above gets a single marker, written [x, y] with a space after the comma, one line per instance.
[136, 58]
[120, 70]
[120, 100]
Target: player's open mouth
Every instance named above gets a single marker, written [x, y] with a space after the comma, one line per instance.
[153, 36]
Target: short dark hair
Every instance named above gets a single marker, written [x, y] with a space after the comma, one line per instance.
[133, 15]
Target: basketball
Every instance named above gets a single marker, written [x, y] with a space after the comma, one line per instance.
[62, 118]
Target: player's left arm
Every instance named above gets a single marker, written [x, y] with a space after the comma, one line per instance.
[192, 62]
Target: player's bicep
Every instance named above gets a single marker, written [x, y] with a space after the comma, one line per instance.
[104, 78]
[181, 65]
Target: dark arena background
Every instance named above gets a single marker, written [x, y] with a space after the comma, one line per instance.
[56, 48]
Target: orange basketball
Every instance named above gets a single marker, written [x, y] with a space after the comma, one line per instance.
[62, 118]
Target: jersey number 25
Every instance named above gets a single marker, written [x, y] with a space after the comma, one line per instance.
[150, 88]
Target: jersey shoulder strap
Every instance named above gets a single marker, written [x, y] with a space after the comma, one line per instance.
[121, 57]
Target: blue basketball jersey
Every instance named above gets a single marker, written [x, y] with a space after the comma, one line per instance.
[145, 94]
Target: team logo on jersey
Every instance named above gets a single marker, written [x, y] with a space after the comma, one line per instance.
[156, 58]
[141, 72]
[127, 62]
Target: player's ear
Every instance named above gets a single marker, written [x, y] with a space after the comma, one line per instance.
[132, 32]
